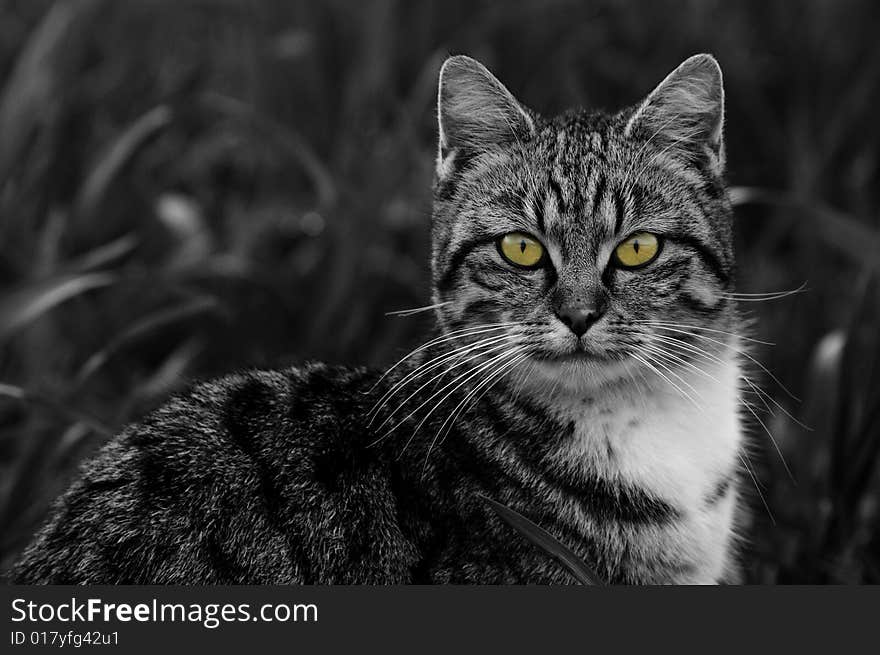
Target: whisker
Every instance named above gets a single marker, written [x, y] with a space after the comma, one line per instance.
[645, 360]
[739, 351]
[664, 363]
[489, 364]
[461, 351]
[682, 345]
[443, 338]
[460, 380]
[417, 310]
[757, 486]
[665, 353]
[494, 348]
[664, 324]
[761, 296]
[485, 384]
[739, 453]
[493, 376]
[751, 409]
[763, 394]
[687, 347]
[767, 299]
[748, 406]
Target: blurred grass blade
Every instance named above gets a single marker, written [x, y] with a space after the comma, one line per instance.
[74, 415]
[26, 305]
[546, 542]
[144, 327]
[34, 84]
[183, 218]
[115, 157]
[170, 373]
[106, 254]
[283, 137]
[862, 444]
[11, 391]
[837, 228]
[820, 404]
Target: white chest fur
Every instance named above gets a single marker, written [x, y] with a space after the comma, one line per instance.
[677, 448]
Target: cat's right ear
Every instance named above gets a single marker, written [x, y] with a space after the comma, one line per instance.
[475, 111]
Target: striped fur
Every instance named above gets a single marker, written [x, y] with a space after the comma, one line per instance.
[624, 443]
[645, 414]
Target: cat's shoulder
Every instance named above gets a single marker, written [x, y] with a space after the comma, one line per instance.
[238, 465]
[260, 414]
[297, 429]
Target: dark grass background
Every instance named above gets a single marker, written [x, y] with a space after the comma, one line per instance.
[192, 186]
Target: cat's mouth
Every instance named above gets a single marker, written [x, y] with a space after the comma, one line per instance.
[579, 354]
[577, 357]
[580, 369]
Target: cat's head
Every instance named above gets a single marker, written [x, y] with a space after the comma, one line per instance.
[579, 242]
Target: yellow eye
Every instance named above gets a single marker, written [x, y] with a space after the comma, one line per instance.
[521, 249]
[637, 250]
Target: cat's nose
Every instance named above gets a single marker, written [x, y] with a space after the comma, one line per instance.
[579, 319]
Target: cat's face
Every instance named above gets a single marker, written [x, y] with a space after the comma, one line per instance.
[580, 243]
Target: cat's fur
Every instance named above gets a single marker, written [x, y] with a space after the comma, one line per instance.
[625, 443]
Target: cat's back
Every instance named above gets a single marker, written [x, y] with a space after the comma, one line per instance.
[258, 477]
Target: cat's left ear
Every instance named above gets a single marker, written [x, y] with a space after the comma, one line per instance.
[475, 112]
[685, 113]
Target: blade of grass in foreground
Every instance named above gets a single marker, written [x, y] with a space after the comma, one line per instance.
[546, 542]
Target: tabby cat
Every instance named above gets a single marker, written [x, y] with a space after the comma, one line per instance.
[586, 374]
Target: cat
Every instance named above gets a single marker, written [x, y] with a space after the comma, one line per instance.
[585, 373]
